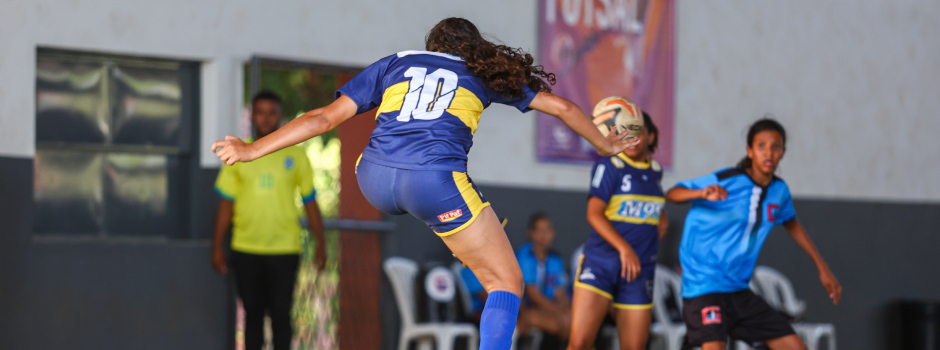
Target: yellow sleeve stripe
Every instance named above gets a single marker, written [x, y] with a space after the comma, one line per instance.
[466, 106]
[392, 98]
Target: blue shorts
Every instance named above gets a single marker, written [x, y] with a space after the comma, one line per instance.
[602, 276]
[447, 201]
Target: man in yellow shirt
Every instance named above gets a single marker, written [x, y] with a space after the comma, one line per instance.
[258, 198]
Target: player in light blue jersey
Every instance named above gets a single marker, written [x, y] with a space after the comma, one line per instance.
[429, 104]
[732, 213]
[616, 268]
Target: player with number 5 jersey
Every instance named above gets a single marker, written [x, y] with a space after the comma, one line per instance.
[428, 106]
[617, 265]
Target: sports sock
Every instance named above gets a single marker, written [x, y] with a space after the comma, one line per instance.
[498, 320]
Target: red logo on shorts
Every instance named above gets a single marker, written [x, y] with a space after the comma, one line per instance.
[448, 216]
[711, 315]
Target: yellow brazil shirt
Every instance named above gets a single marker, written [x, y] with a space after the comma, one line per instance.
[266, 218]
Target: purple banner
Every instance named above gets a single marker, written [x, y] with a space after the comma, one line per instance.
[600, 48]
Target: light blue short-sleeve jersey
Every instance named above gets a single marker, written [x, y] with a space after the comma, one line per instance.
[722, 239]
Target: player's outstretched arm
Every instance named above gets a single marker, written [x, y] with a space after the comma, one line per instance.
[681, 194]
[574, 118]
[310, 124]
[825, 276]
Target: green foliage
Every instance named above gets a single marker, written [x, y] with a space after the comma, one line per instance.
[316, 297]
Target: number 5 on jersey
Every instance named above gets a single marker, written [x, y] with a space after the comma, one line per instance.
[428, 94]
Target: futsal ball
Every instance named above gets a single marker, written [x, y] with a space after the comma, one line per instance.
[618, 113]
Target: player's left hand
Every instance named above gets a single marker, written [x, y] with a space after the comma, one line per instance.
[319, 258]
[832, 286]
[618, 143]
[232, 150]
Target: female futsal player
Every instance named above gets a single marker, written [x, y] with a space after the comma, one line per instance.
[732, 212]
[429, 104]
[619, 258]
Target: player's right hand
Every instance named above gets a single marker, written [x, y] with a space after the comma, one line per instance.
[629, 264]
[232, 150]
[714, 193]
[618, 143]
[832, 286]
[218, 261]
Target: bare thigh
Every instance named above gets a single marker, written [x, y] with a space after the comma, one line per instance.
[715, 345]
[485, 249]
[789, 342]
[633, 328]
[587, 313]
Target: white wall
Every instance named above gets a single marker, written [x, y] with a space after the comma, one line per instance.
[852, 81]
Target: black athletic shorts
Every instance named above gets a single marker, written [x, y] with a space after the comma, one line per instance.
[740, 315]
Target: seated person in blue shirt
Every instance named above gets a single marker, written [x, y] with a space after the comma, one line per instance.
[732, 213]
[545, 301]
[477, 293]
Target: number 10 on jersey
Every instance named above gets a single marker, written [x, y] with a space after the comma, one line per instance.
[428, 94]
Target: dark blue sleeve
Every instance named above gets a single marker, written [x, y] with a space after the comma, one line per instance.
[366, 88]
[521, 103]
[603, 182]
[787, 212]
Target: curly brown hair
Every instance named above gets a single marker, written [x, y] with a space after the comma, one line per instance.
[502, 68]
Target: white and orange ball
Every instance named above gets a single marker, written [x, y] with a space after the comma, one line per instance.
[618, 113]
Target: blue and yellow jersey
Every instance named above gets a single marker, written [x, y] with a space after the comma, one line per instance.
[634, 201]
[429, 106]
[722, 239]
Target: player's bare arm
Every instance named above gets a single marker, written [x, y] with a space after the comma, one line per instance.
[310, 124]
[802, 239]
[574, 118]
[681, 194]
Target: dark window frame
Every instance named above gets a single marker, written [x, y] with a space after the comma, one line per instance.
[182, 167]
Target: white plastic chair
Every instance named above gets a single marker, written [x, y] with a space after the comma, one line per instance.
[777, 290]
[663, 327]
[401, 273]
[457, 269]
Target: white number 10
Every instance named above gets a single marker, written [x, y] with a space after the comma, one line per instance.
[427, 104]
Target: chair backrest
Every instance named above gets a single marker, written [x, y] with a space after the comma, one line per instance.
[466, 301]
[666, 282]
[777, 290]
[401, 273]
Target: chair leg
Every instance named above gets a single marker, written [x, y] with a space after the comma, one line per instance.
[445, 341]
[832, 340]
[403, 341]
[474, 341]
[674, 341]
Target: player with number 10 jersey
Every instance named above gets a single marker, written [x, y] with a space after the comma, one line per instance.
[429, 104]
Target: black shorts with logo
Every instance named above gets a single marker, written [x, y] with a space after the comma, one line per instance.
[740, 315]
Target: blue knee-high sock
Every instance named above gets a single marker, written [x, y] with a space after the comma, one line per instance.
[498, 320]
